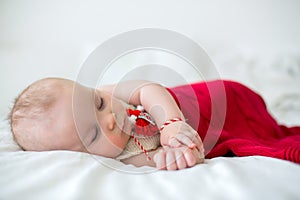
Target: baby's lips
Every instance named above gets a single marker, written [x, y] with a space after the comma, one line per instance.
[126, 126]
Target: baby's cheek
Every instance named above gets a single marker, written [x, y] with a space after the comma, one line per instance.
[110, 146]
[118, 142]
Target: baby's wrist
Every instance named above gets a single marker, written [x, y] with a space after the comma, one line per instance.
[169, 130]
[170, 121]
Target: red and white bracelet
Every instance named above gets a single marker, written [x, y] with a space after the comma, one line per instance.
[170, 121]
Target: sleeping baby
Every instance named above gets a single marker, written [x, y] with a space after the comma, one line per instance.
[59, 114]
[143, 123]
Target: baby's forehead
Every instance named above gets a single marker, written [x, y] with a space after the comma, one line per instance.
[77, 103]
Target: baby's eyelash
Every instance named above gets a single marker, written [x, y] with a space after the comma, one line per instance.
[100, 104]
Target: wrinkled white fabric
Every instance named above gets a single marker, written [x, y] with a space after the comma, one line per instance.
[73, 175]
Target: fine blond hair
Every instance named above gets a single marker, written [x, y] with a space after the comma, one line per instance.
[30, 110]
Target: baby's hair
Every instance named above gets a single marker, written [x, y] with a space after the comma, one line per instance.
[30, 107]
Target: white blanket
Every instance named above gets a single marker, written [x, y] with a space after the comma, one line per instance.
[72, 175]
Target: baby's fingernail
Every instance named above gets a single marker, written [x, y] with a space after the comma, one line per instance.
[192, 146]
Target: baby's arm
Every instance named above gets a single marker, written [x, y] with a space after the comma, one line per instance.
[162, 107]
[153, 97]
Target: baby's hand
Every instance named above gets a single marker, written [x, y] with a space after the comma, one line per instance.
[180, 133]
[177, 158]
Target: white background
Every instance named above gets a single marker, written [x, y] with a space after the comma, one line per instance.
[53, 37]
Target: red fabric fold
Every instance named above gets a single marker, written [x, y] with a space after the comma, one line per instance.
[241, 124]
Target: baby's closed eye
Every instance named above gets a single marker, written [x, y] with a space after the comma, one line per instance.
[96, 134]
[100, 104]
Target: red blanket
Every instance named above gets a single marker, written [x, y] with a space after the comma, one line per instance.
[231, 119]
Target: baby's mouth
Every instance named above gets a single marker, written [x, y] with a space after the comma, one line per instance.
[126, 126]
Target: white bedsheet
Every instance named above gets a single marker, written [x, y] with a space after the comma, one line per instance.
[72, 175]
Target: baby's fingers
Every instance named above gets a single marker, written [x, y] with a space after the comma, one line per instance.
[180, 160]
[173, 142]
[171, 160]
[160, 160]
[197, 140]
[183, 139]
[194, 137]
[190, 158]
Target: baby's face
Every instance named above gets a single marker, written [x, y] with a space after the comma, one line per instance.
[88, 120]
